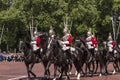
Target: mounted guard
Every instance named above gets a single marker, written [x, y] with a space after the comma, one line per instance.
[67, 39]
[110, 43]
[52, 33]
[36, 42]
[52, 36]
[91, 43]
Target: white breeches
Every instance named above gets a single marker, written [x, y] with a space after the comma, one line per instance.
[35, 47]
[89, 44]
[65, 47]
[90, 47]
[110, 49]
[33, 43]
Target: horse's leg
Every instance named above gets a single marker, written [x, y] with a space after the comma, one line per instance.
[70, 68]
[76, 64]
[106, 65]
[115, 68]
[89, 67]
[27, 66]
[61, 72]
[96, 66]
[66, 70]
[45, 64]
[115, 65]
[86, 65]
[55, 70]
[93, 67]
[78, 67]
[81, 68]
[47, 69]
[118, 65]
[30, 69]
[101, 66]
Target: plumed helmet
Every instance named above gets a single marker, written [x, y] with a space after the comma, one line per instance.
[65, 29]
[35, 32]
[110, 36]
[51, 30]
[89, 32]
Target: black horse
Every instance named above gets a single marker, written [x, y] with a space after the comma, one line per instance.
[113, 57]
[100, 61]
[83, 55]
[47, 54]
[29, 57]
[60, 59]
[78, 57]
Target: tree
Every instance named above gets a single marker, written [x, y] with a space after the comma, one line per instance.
[19, 15]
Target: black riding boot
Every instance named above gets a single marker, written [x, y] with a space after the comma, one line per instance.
[69, 56]
[37, 52]
[92, 52]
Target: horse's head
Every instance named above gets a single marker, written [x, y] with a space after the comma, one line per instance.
[104, 44]
[23, 45]
[77, 43]
[80, 43]
[44, 39]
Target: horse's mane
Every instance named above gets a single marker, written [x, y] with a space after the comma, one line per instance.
[83, 41]
[28, 44]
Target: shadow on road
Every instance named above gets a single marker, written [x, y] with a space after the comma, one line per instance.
[38, 78]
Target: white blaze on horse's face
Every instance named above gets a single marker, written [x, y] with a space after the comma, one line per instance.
[119, 46]
[20, 45]
[104, 42]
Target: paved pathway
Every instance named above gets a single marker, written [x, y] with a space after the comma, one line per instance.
[17, 71]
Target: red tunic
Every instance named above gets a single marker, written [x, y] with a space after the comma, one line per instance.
[68, 37]
[38, 42]
[113, 44]
[94, 42]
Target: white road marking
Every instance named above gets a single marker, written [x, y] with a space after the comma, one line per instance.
[16, 78]
[3, 75]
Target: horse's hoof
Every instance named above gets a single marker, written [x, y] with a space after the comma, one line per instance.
[70, 73]
[95, 72]
[113, 72]
[54, 79]
[76, 73]
[100, 75]
[78, 76]
[106, 74]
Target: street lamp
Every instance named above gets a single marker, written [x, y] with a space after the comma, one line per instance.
[119, 18]
[111, 18]
[115, 25]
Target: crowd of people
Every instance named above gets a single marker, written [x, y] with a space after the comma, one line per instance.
[11, 57]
